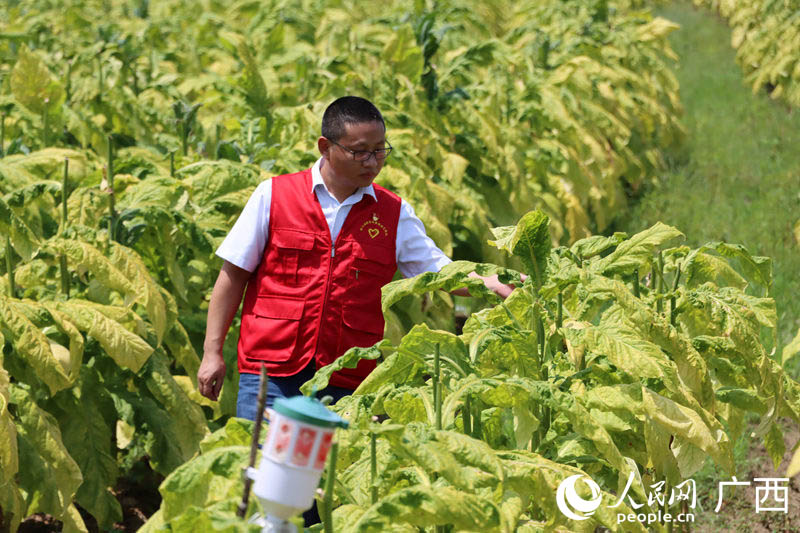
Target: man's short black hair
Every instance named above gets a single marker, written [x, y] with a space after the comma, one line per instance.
[348, 110]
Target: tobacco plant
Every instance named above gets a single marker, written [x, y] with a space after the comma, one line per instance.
[618, 355]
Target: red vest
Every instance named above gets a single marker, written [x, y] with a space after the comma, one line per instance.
[310, 298]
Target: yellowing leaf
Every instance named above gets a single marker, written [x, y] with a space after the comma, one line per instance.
[126, 348]
[33, 85]
[33, 346]
[403, 53]
[685, 422]
[9, 461]
[453, 168]
[43, 457]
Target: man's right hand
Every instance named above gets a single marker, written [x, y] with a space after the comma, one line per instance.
[225, 300]
[211, 375]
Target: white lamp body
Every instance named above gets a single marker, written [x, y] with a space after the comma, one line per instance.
[292, 460]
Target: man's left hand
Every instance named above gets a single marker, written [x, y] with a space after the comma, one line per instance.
[492, 283]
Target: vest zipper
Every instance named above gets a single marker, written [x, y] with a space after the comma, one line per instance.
[325, 299]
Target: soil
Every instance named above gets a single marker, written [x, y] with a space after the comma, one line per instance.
[738, 510]
[137, 494]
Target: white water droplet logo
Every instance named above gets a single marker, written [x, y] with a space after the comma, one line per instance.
[567, 498]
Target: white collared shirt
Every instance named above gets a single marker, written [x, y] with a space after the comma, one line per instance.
[244, 244]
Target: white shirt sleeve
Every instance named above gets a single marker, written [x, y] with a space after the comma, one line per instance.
[416, 252]
[244, 244]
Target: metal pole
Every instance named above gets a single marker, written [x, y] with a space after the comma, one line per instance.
[262, 400]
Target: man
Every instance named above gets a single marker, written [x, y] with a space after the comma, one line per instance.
[313, 250]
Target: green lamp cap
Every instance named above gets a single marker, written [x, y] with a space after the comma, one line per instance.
[308, 410]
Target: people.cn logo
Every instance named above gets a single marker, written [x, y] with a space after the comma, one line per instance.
[567, 498]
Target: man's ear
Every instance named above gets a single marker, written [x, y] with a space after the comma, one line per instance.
[323, 145]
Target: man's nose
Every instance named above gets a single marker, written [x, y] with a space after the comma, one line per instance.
[371, 161]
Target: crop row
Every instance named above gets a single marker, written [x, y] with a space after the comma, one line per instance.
[766, 36]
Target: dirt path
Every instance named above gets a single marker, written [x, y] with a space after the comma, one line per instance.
[738, 510]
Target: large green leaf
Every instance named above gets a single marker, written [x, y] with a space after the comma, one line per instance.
[686, 423]
[23, 239]
[628, 351]
[33, 85]
[424, 506]
[251, 82]
[146, 290]
[125, 347]
[208, 180]
[188, 420]
[89, 439]
[33, 347]
[758, 269]
[218, 517]
[529, 240]
[9, 462]
[637, 251]
[236, 432]
[159, 434]
[701, 267]
[347, 360]
[537, 479]
[180, 347]
[451, 277]
[210, 478]
[43, 457]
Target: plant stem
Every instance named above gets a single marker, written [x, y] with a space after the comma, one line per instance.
[673, 312]
[185, 137]
[63, 258]
[68, 88]
[466, 418]
[667, 490]
[477, 423]
[100, 81]
[327, 511]
[12, 288]
[44, 127]
[2, 134]
[437, 388]
[262, 400]
[172, 164]
[659, 282]
[636, 282]
[112, 216]
[560, 315]
[373, 466]
[540, 338]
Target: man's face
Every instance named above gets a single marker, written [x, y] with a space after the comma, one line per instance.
[362, 136]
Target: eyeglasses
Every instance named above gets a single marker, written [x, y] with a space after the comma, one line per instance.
[364, 155]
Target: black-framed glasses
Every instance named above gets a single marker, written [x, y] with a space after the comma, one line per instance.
[364, 155]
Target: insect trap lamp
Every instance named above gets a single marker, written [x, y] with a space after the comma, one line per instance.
[294, 453]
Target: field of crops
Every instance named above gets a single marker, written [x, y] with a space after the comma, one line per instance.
[133, 133]
[767, 38]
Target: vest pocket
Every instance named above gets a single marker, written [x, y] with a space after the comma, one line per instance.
[270, 332]
[294, 250]
[361, 327]
[369, 272]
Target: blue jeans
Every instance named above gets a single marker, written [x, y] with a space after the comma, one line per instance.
[278, 387]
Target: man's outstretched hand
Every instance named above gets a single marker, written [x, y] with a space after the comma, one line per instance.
[492, 283]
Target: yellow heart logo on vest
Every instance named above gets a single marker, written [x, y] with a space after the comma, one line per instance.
[373, 232]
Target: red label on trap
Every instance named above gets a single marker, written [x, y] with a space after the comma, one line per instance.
[322, 453]
[303, 447]
[282, 440]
